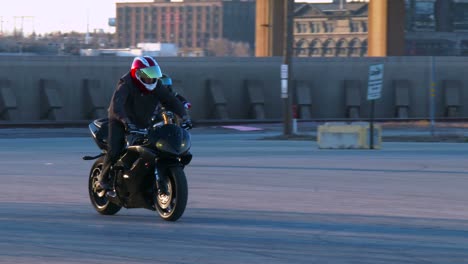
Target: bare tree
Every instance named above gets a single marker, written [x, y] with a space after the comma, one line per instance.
[218, 47]
[240, 49]
[223, 47]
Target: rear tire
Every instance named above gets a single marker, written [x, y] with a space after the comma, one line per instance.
[171, 206]
[98, 198]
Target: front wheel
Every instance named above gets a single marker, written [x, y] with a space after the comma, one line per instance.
[171, 204]
[98, 197]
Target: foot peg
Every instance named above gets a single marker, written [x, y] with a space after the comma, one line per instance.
[111, 194]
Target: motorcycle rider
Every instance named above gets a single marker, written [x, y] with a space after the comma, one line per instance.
[132, 106]
[167, 81]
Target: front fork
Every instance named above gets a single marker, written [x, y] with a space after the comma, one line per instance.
[160, 178]
[161, 168]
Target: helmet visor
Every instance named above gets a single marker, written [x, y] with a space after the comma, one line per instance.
[153, 72]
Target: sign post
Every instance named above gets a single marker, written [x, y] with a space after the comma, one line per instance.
[374, 92]
[286, 66]
[432, 94]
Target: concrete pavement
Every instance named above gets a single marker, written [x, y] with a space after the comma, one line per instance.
[250, 201]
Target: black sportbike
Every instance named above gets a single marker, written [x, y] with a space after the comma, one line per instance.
[150, 172]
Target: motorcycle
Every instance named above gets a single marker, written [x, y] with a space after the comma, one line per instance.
[150, 172]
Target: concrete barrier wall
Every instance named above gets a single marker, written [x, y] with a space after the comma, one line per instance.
[326, 78]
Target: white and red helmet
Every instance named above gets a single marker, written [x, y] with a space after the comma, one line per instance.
[145, 73]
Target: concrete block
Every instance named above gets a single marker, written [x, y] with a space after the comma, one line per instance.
[352, 98]
[8, 104]
[402, 98]
[51, 102]
[94, 103]
[337, 135]
[256, 98]
[452, 89]
[8, 98]
[452, 96]
[303, 99]
[218, 100]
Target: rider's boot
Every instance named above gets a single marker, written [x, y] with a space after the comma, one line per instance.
[102, 179]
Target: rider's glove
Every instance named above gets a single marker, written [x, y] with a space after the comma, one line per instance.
[187, 124]
[129, 126]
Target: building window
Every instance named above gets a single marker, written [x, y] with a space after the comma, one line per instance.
[329, 48]
[364, 26]
[301, 48]
[315, 48]
[328, 27]
[364, 48]
[314, 27]
[342, 48]
[355, 48]
[301, 27]
[354, 26]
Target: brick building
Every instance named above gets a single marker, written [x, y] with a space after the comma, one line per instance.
[433, 28]
[330, 29]
[190, 24]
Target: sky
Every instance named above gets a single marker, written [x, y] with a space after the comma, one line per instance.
[45, 16]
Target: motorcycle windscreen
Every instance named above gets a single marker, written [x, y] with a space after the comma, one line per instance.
[172, 139]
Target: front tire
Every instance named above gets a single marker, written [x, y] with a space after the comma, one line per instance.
[98, 198]
[172, 205]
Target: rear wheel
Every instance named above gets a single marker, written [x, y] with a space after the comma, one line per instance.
[98, 197]
[171, 204]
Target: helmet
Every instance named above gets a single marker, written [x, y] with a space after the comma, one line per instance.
[145, 73]
[166, 80]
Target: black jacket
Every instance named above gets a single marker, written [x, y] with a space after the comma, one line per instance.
[128, 102]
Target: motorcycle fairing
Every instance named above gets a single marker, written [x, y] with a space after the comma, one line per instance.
[135, 181]
[99, 130]
[171, 139]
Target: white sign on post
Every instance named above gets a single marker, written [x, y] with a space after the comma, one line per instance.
[284, 71]
[284, 81]
[374, 88]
